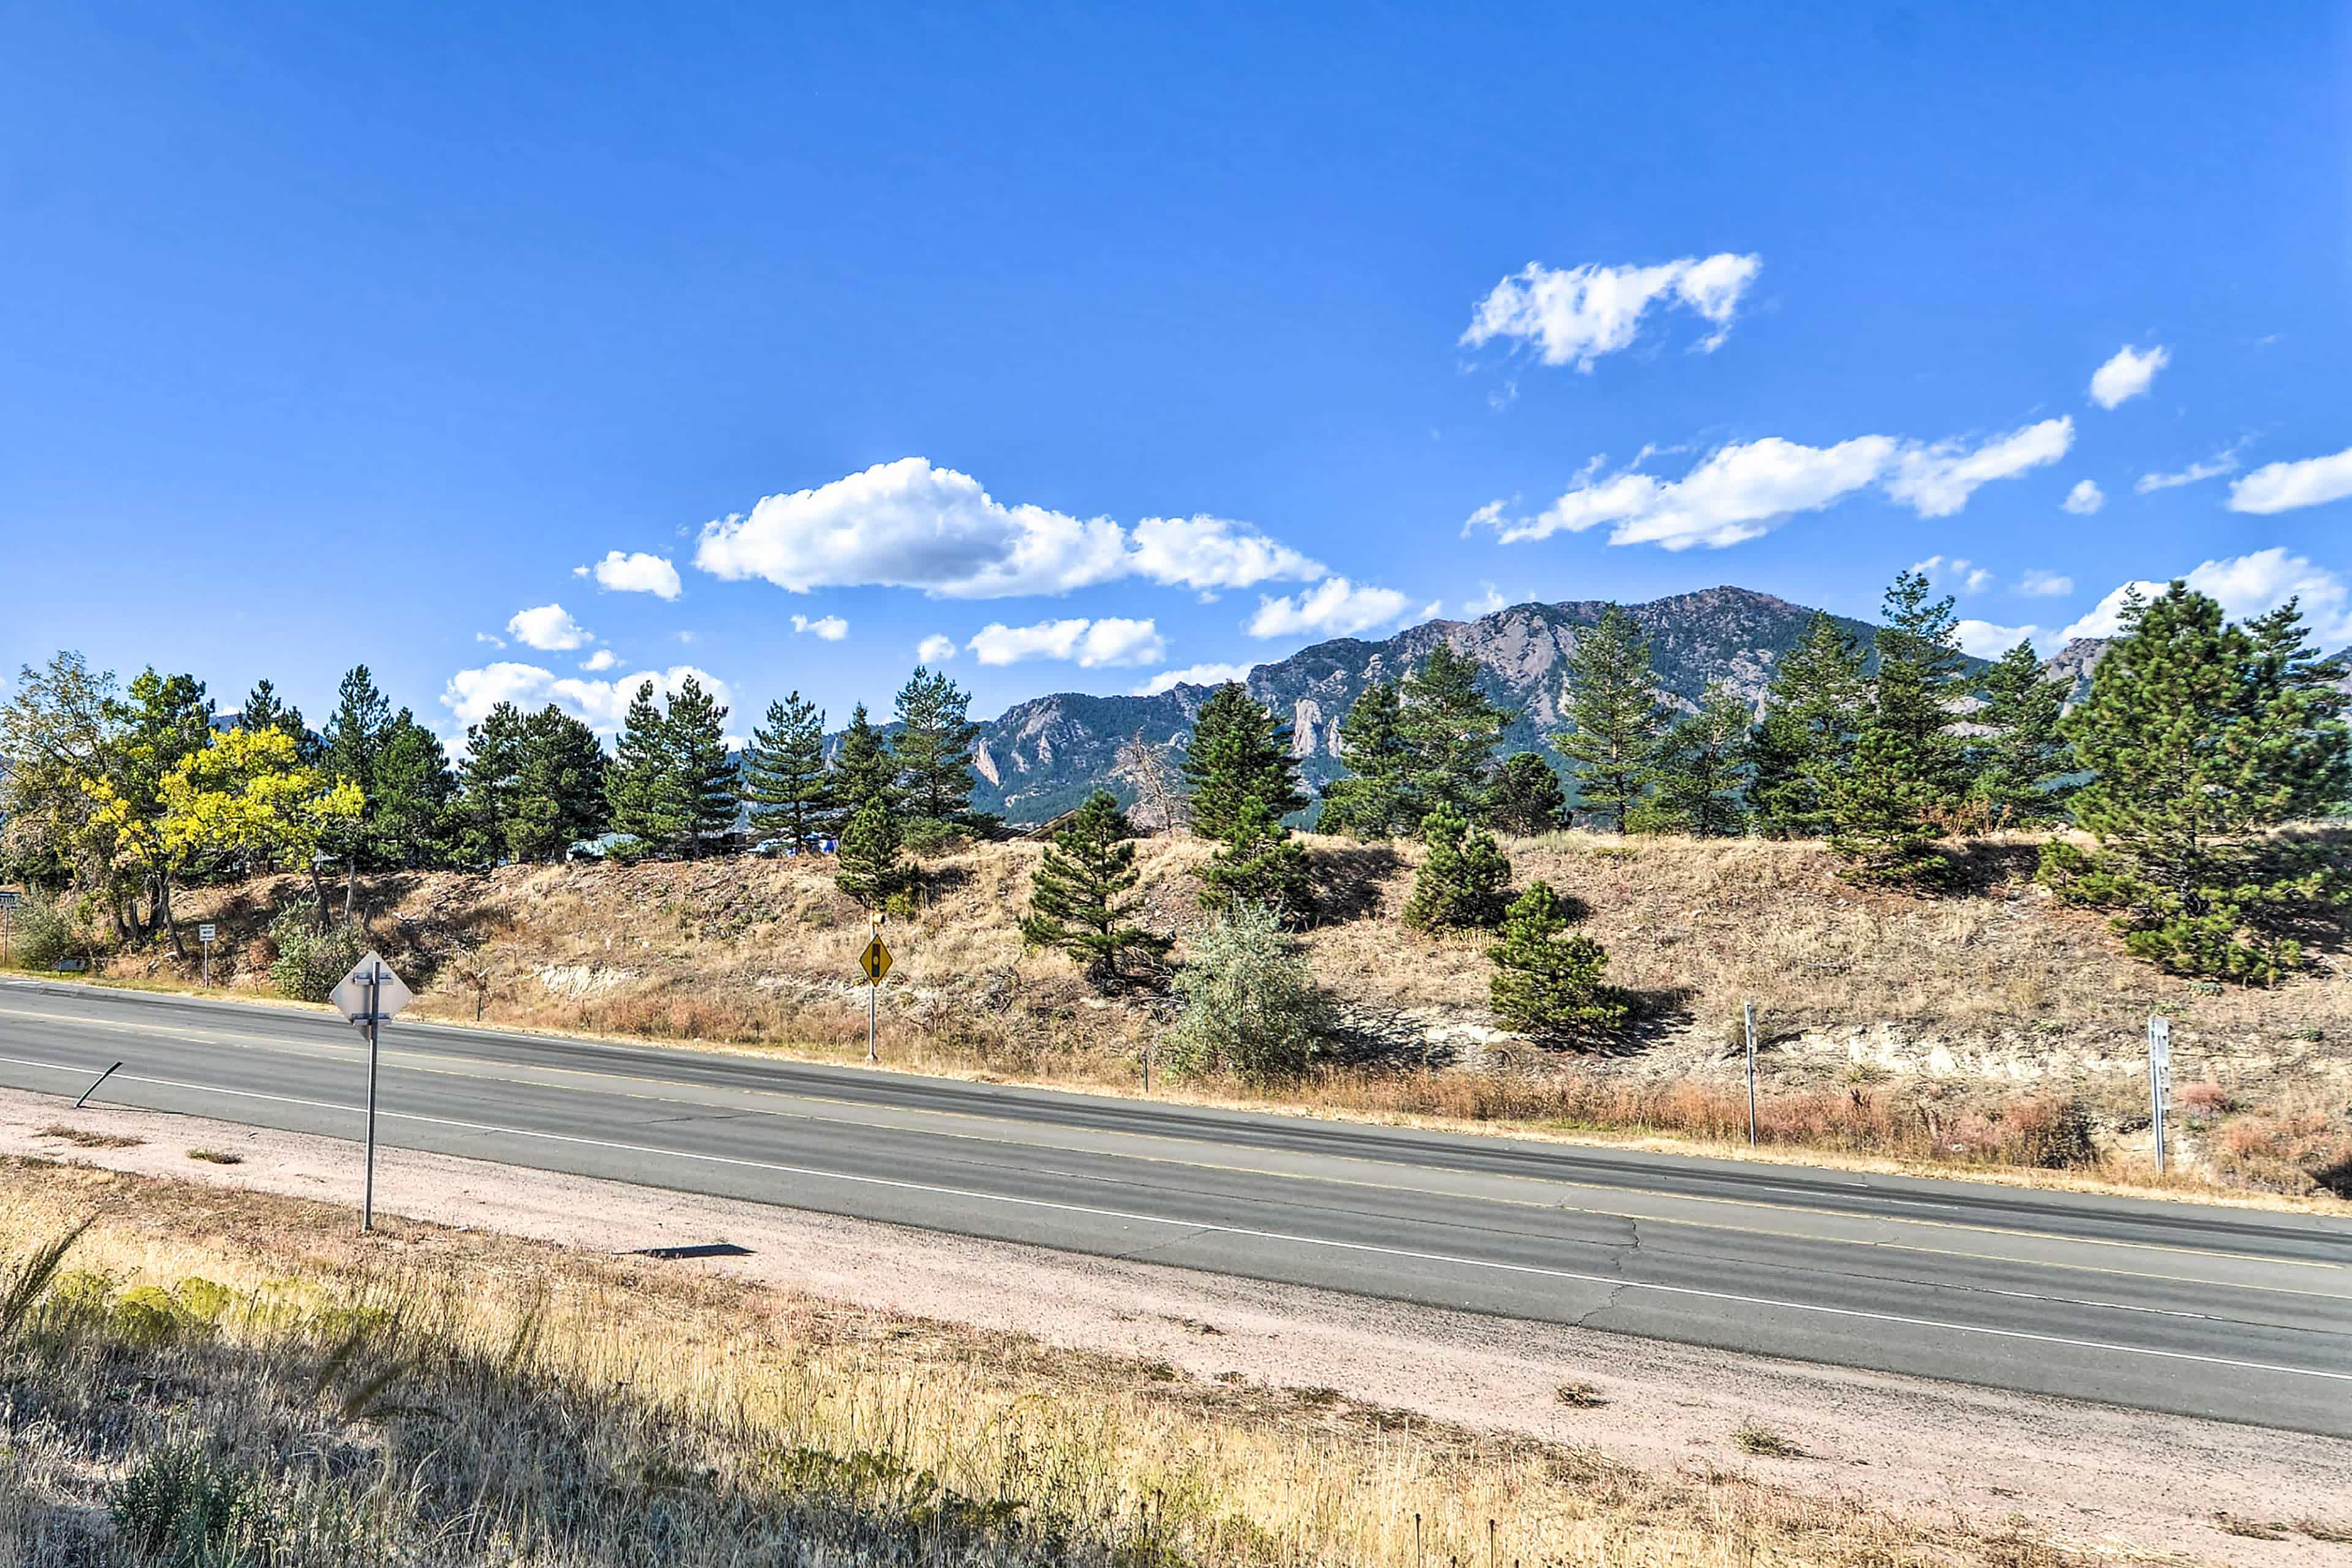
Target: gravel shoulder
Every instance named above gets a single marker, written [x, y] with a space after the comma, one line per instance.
[2088, 1477]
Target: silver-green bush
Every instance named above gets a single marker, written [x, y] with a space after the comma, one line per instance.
[1247, 1005]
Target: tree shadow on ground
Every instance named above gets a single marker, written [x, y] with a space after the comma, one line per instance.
[1349, 880]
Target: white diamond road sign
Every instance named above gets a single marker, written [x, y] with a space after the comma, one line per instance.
[351, 995]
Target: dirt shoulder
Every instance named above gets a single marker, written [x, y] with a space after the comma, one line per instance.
[2081, 1478]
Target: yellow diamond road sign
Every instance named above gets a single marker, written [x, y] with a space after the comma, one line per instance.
[875, 961]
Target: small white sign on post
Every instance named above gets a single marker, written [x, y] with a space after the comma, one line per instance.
[204, 935]
[2160, 1080]
[368, 996]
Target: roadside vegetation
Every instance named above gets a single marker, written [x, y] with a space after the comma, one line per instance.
[1951, 898]
[189, 1381]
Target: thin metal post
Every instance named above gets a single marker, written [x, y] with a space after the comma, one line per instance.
[367, 1187]
[1747, 1011]
[2159, 1075]
[208, 965]
[873, 989]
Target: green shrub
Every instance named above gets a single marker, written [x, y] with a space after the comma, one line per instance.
[933, 836]
[1247, 1005]
[310, 961]
[181, 1507]
[39, 935]
[1547, 982]
[1464, 880]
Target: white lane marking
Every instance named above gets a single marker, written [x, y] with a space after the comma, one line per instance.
[1202, 1227]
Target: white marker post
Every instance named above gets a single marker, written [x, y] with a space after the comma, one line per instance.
[2159, 1079]
[1747, 1011]
[205, 939]
[369, 994]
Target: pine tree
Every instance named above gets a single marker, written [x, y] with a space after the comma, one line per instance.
[863, 769]
[1703, 771]
[2021, 765]
[1908, 772]
[1260, 863]
[1075, 900]
[649, 796]
[1463, 881]
[1376, 799]
[1547, 982]
[1812, 714]
[1239, 757]
[489, 779]
[409, 820]
[264, 709]
[1450, 731]
[1617, 715]
[2203, 739]
[934, 746]
[871, 866]
[1526, 797]
[559, 791]
[694, 734]
[783, 780]
[353, 737]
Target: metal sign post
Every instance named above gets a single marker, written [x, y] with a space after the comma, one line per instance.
[369, 994]
[2160, 1080]
[875, 962]
[205, 939]
[1748, 1012]
[8, 897]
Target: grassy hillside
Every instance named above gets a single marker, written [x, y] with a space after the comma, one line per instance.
[1991, 1026]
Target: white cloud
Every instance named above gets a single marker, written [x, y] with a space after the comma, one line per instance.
[2126, 376]
[549, 629]
[491, 638]
[1335, 607]
[637, 574]
[1957, 574]
[2284, 486]
[1487, 516]
[2038, 584]
[830, 628]
[909, 524]
[2246, 586]
[1486, 604]
[1743, 491]
[602, 659]
[1983, 639]
[1192, 675]
[1092, 644]
[471, 694]
[1937, 482]
[934, 649]
[1580, 313]
[2213, 467]
[2084, 498]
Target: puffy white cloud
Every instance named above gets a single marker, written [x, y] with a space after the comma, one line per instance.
[2246, 586]
[934, 649]
[634, 573]
[2213, 467]
[1743, 491]
[549, 629]
[830, 628]
[1092, 644]
[602, 659]
[1956, 573]
[1334, 607]
[2128, 376]
[1192, 675]
[2038, 584]
[1937, 482]
[1985, 640]
[2084, 498]
[2284, 486]
[1577, 314]
[909, 524]
[1486, 603]
[471, 694]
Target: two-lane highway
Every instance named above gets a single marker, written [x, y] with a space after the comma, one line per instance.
[2237, 1314]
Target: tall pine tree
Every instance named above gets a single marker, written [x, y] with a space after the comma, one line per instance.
[863, 768]
[1812, 714]
[1526, 797]
[410, 818]
[784, 780]
[648, 795]
[353, 738]
[1077, 900]
[1239, 756]
[693, 735]
[934, 746]
[1450, 732]
[1618, 718]
[2020, 764]
[1908, 773]
[871, 866]
[559, 796]
[1703, 773]
[1375, 800]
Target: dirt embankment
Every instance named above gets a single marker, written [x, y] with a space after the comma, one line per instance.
[1990, 1025]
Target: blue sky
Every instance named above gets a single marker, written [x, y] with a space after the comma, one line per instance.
[1152, 338]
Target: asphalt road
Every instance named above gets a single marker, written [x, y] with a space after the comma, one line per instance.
[2185, 1308]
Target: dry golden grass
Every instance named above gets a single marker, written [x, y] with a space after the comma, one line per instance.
[435, 1397]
